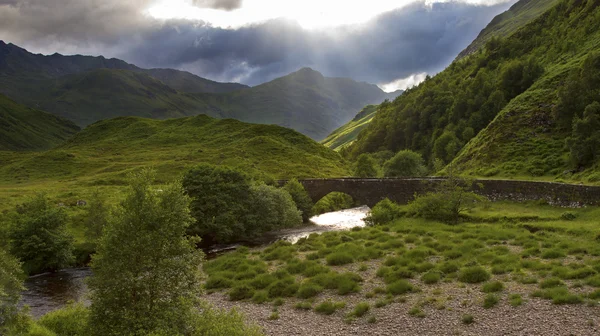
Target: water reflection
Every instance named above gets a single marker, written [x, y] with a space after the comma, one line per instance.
[49, 291]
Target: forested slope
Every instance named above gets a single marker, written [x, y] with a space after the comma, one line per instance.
[534, 85]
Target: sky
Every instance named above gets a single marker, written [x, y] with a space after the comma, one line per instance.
[391, 43]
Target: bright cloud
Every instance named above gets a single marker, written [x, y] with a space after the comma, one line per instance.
[404, 83]
[310, 14]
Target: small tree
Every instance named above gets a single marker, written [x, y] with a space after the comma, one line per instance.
[97, 216]
[452, 198]
[39, 236]
[300, 196]
[146, 271]
[272, 209]
[220, 202]
[11, 285]
[365, 166]
[405, 163]
[584, 142]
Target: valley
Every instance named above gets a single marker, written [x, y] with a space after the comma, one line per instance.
[165, 203]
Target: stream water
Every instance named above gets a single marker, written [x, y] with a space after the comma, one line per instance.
[50, 291]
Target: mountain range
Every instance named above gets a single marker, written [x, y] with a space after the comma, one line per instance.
[86, 89]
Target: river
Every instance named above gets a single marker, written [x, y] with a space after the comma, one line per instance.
[50, 291]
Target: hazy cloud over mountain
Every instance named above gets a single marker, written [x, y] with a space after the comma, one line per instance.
[419, 37]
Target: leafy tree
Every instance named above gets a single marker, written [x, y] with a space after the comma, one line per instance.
[272, 209]
[365, 166]
[220, 202]
[519, 75]
[300, 196]
[584, 142]
[11, 285]
[146, 271]
[448, 203]
[446, 147]
[97, 216]
[405, 163]
[39, 236]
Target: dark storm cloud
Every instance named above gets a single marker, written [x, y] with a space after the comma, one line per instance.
[414, 39]
[417, 38]
[218, 4]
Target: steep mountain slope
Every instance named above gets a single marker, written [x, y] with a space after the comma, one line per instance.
[304, 100]
[103, 153]
[20, 67]
[87, 89]
[503, 25]
[533, 85]
[345, 135]
[23, 128]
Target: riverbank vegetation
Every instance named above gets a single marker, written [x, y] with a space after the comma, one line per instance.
[499, 254]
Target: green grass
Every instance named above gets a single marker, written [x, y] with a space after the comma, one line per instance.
[329, 307]
[103, 154]
[345, 135]
[23, 128]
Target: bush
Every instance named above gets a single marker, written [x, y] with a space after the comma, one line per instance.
[490, 301]
[492, 287]
[39, 236]
[475, 274]
[553, 254]
[328, 307]
[515, 300]
[334, 201]
[361, 309]
[365, 166]
[431, 278]
[551, 283]
[260, 297]
[400, 287]
[416, 312]
[300, 196]
[405, 163]
[384, 212]
[214, 322]
[69, 321]
[467, 319]
[339, 258]
[218, 282]
[558, 295]
[308, 290]
[283, 288]
[568, 216]
[241, 292]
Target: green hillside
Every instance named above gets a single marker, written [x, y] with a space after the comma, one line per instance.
[345, 135]
[103, 154]
[23, 128]
[531, 85]
[510, 21]
[86, 89]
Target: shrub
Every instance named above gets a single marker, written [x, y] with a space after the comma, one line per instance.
[400, 287]
[360, 310]
[303, 305]
[260, 297]
[405, 163]
[416, 312]
[241, 292]
[568, 216]
[365, 166]
[218, 282]
[263, 281]
[475, 274]
[490, 301]
[515, 300]
[551, 283]
[384, 212]
[431, 278]
[328, 307]
[339, 258]
[467, 319]
[492, 287]
[215, 322]
[333, 201]
[69, 321]
[558, 295]
[308, 290]
[553, 254]
[39, 235]
[300, 197]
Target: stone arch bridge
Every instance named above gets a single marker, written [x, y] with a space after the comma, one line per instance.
[402, 190]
